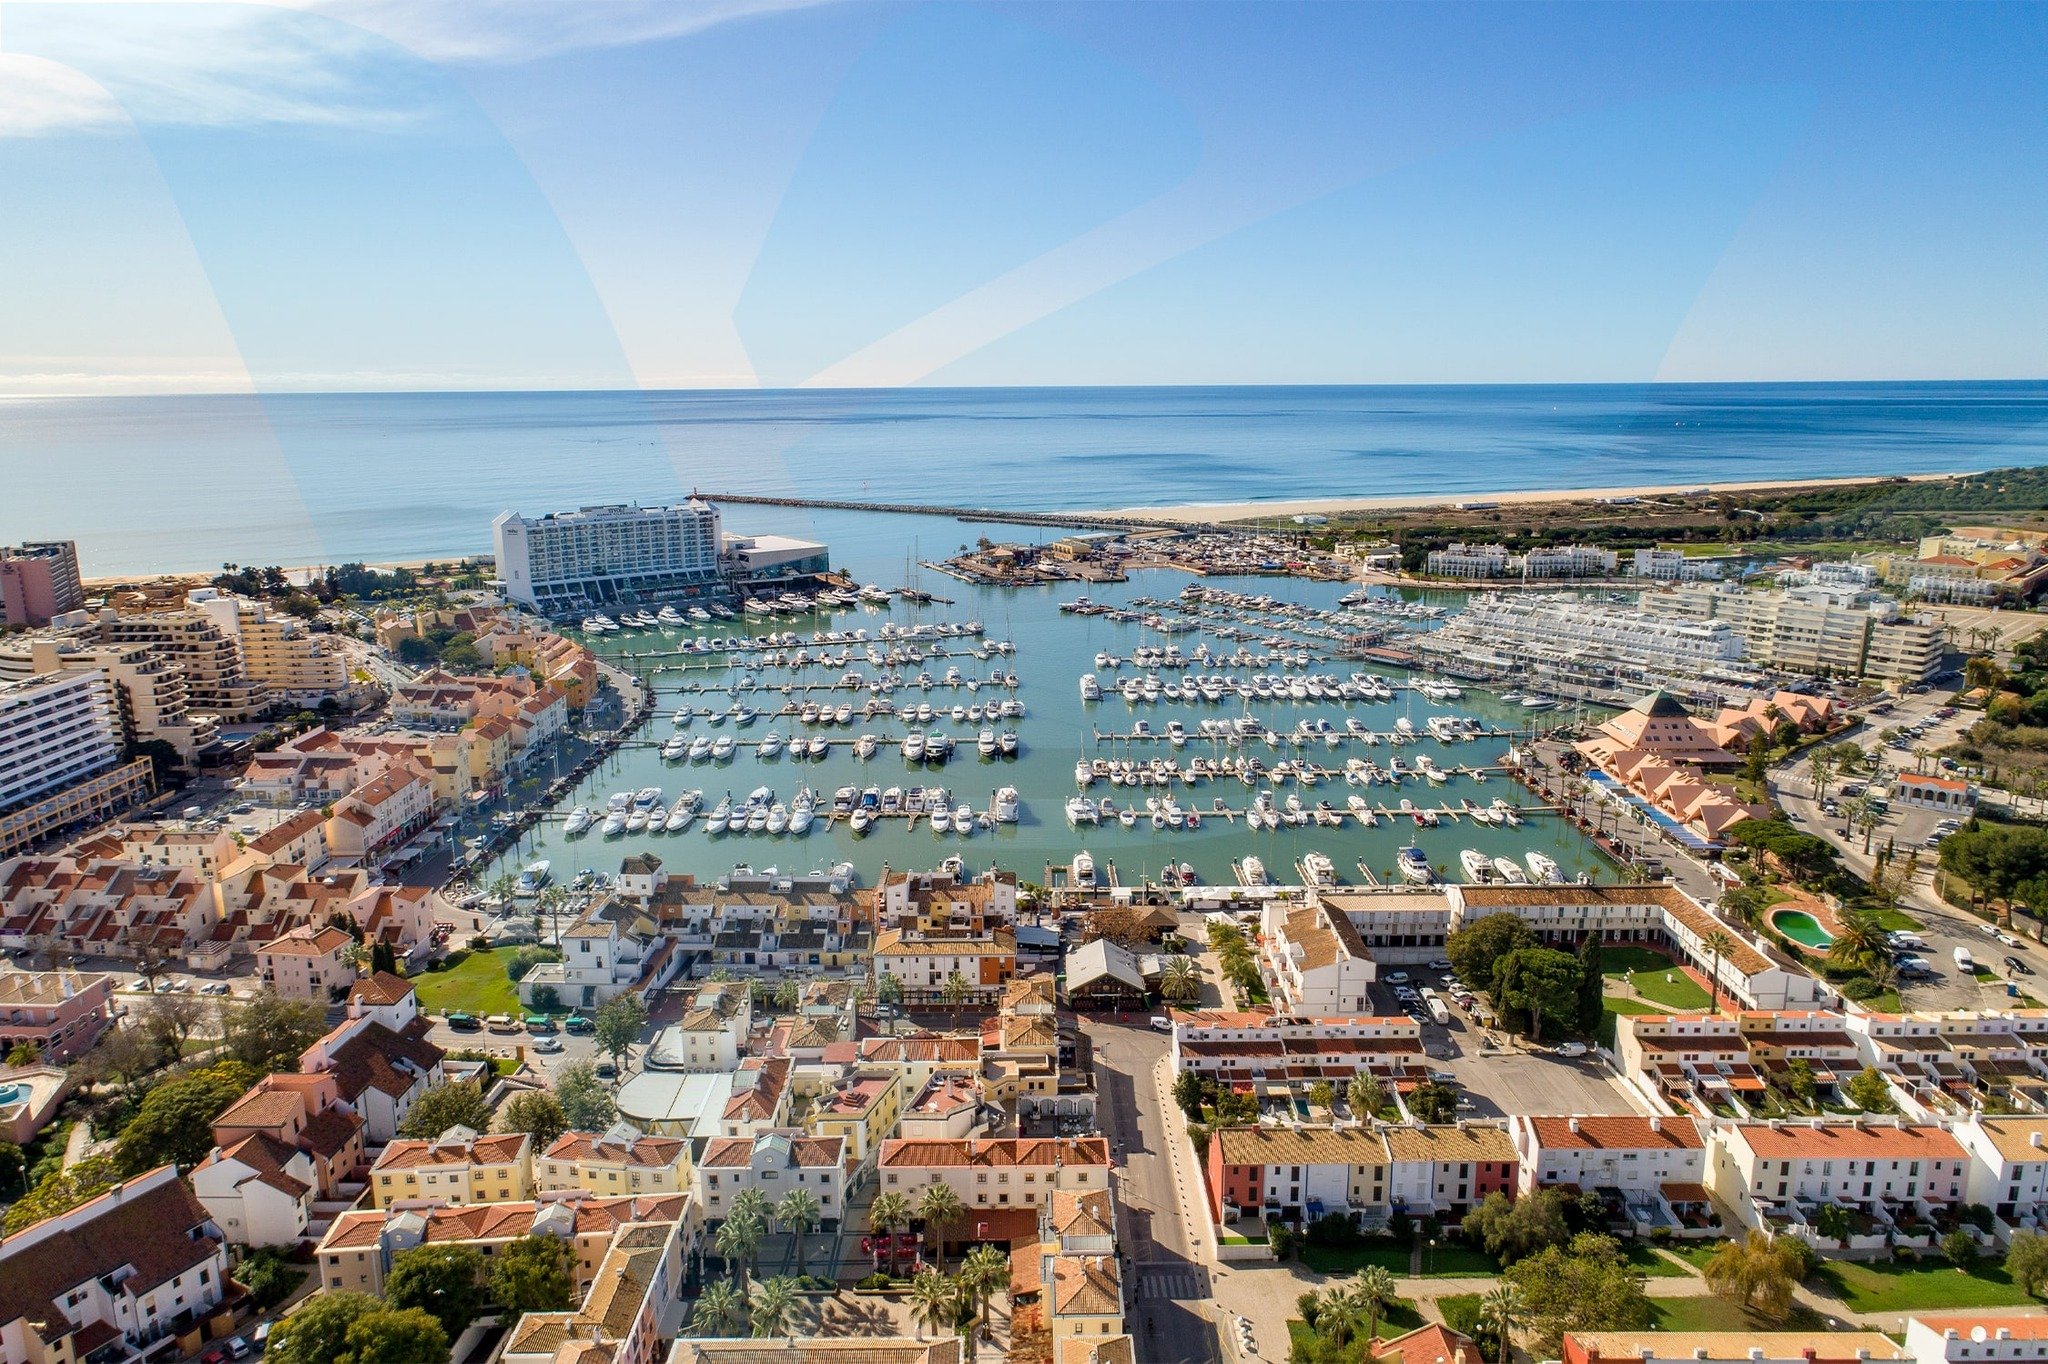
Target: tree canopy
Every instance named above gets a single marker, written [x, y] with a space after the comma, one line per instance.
[1476, 950]
[1584, 1285]
[268, 1032]
[533, 1274]
[175, 1123]
[458, 1103]
[585, 1101]
[538, 1114]
[446, 1282]
[355, 1328]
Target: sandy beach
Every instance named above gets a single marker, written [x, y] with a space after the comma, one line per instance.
[1220, 512]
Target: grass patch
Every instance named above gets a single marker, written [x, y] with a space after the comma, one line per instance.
[1898, 921]
[1710, 1313]
[1445, 1262]
[1889, 1286]
[476, 984]
[1695, 1253]
[1400, 1317]
[1652, 1263]
[1647, 971]
[1610, 1006]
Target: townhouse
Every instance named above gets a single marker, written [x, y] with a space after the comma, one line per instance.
[1656, 1167]
[95, 907]
[1257, 1047]
[619, 1160]
[612, 948]
[712, 1033]
[357, 1251]
[1297, 1173]
[861, 1109]
[1446, 1170]
[1889, 1174]
[926, 966]
[943, 904]
[308, 963]
[776, 1162]
[637, 1287]
[259, 1191]
[377, 1072]
[921, 1056]
[995, 1172]
[750, 921]
[372, 820]
[1314, 961]
[305, 1113]
[459, 1166]
[114, 1276]
[2008, 1166]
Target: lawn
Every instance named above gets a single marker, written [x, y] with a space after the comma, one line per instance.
[475, 984]
[1445, 1262]
[1655, 978]
[1887, 1286]
[1651, 1264]
[1399, 1318]
[1696, 1253]
[1718, 1314]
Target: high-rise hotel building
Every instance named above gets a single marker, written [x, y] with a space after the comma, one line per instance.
[60, 756]
[566, 561]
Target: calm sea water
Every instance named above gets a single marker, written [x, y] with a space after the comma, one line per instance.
[189, 482]
[1053, 650]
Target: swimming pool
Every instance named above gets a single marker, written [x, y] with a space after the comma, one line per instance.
[1802, 928]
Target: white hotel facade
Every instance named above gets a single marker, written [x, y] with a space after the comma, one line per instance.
[564, 560]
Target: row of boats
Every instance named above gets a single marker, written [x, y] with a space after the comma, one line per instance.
[761, 812]
[865, 808]
[1446, 729]
[1265, 812]
[764, 605]
[1216, 688]
[1414, 866]
[1252, 771]
[1482, 870]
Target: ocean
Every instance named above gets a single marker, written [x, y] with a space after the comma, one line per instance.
[191, 482]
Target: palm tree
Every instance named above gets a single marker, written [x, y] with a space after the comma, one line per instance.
[890, 1212]
[1365, 1095]
[751, 1203]
[796, 1214]
[719, 1310]
[931, 1298]
[502, 886]
[983, 1273]
[1372, 1291]
[940, 1207]
[739, 1241]
[1859, 939]
[1718, 944]
[1501, 1312]
[1180, 980]
[955, 992]
[775, 1307]
[889, 990]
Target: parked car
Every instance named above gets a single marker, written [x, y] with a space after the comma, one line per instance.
[1440, 964]
[501, 1023]
[462, 1022]
[605, 1070]
[577, 1023]
[2018, 967]
[1397, 977]
[547, 1045]
[1569, 1049]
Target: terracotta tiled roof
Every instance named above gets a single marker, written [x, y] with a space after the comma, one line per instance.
[995, 1152]
[1082, 1214]
[382, 988]
[1471, 1142]
[1616, 1134]
[642, 1150]
[1085, 1286]
[1308, 1146]
[500, 1148]
[372, 1057]
[1429, 1344]
[146, 1231]
[1848, 1140]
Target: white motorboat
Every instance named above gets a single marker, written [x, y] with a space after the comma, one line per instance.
[770, 745]
[1006, 805]
[681, 719]
[1083, 870]
[1413, 864]
[680, 817]
[700, 748]
[1510, 871]
[1478, 866]
[723, 747]
[1091, 690]
[580, 819]
[864, 747]
[985, 743]
[963, 818]
[1081, 810]
[913, 747]
[531, 879]
[1253, 870]
[1544, 868]
[1319, 869]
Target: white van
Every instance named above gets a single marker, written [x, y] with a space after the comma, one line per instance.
[1161, 1023]
[1965, 962]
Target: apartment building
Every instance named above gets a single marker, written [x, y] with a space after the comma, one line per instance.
[38, 580]
[151, 700]
[216, 683]
[636, 1290]
[1258, 1047]
[862, 1108]
[307, 963]
[59, 1013]
[305, 1113]
[459, 1166]
[99, 908]
[776, 1162]
[1868, 1164]
[1296, 1173]
[613, 948]
[1569, 561]
[1565, 642]
[995, 1172]
[1447, 1169]
[370, 822]
[619, 1160]
[1638, 1156]
[938, 903]
[564, 560]
[379, 1073]
[925, 966]
[1673, 566]
[357, 1251]
[1314, 961]
[141, 1263]
[298, 667]
[1472, 562]
[1827, 630]
[750, 921]
[56, 730]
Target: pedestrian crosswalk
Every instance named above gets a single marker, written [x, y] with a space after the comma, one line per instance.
[1173, 1282]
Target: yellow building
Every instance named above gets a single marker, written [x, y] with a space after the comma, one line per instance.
[619, 1161]
[864, 1108]
[459, 1166]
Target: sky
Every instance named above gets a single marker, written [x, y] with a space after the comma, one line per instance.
[523, 194]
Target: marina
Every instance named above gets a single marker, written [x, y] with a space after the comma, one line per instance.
[1359, 766]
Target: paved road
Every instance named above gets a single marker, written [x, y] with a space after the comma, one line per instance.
[1163, 1281]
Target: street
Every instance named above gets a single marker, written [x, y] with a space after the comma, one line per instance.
[1163, 1280]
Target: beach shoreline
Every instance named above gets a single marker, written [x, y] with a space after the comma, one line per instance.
[1218, 513]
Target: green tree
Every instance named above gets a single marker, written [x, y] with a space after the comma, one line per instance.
[60, 1191]
[458, 1103]
[1501, 1312]
[1365, 1095]
[13, 1165]
[1758, 1272]
[394, 1337]
[796, 1213]
[618, 1024]
[1717, 944]
[268, 1277]
[890, 1212]
[1322, 1094]
[984, 1273]
[534, 1274]
[175, 1123]
[1373, 1291]
[1799, 1080]
[1540, 984]
[719, 1310]
[939, 1208]
[1514, 1229]
[538, 1114]
[1432, 1102]
[2026, 1260]
[933, 1302]
[956, 992]
[1583, 1286]
[775, 1307]
[1592, 987]
[1959, 1248]
[24, 1054]
[1180, 980]
[446, 1282]
[268, 1033]
[1869, 1092]
[1859, 939]
[1477, 949]
[585, 1099]
[1188, 1093]
[889, 990]
[738, 1241]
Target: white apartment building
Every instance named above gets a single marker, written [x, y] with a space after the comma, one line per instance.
[1837, 630]
[278, 650]
[1976, 1337]
[1563, 638]
[553, 562]
[1673, 566]
[1461, 560]
[1569, 561]
[777, 1161]
[1252, 1047]
[995, 1172]
[1635, 1155]
[1870, 1163]
[2008, 1164]
[55, 731]
[151, 699]
[1314, 962]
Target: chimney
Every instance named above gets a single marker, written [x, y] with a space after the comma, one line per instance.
[1575, 1127]
[2034, 1139]
[1656, 1124]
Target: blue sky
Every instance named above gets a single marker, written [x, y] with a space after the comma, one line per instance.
[363, 194]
